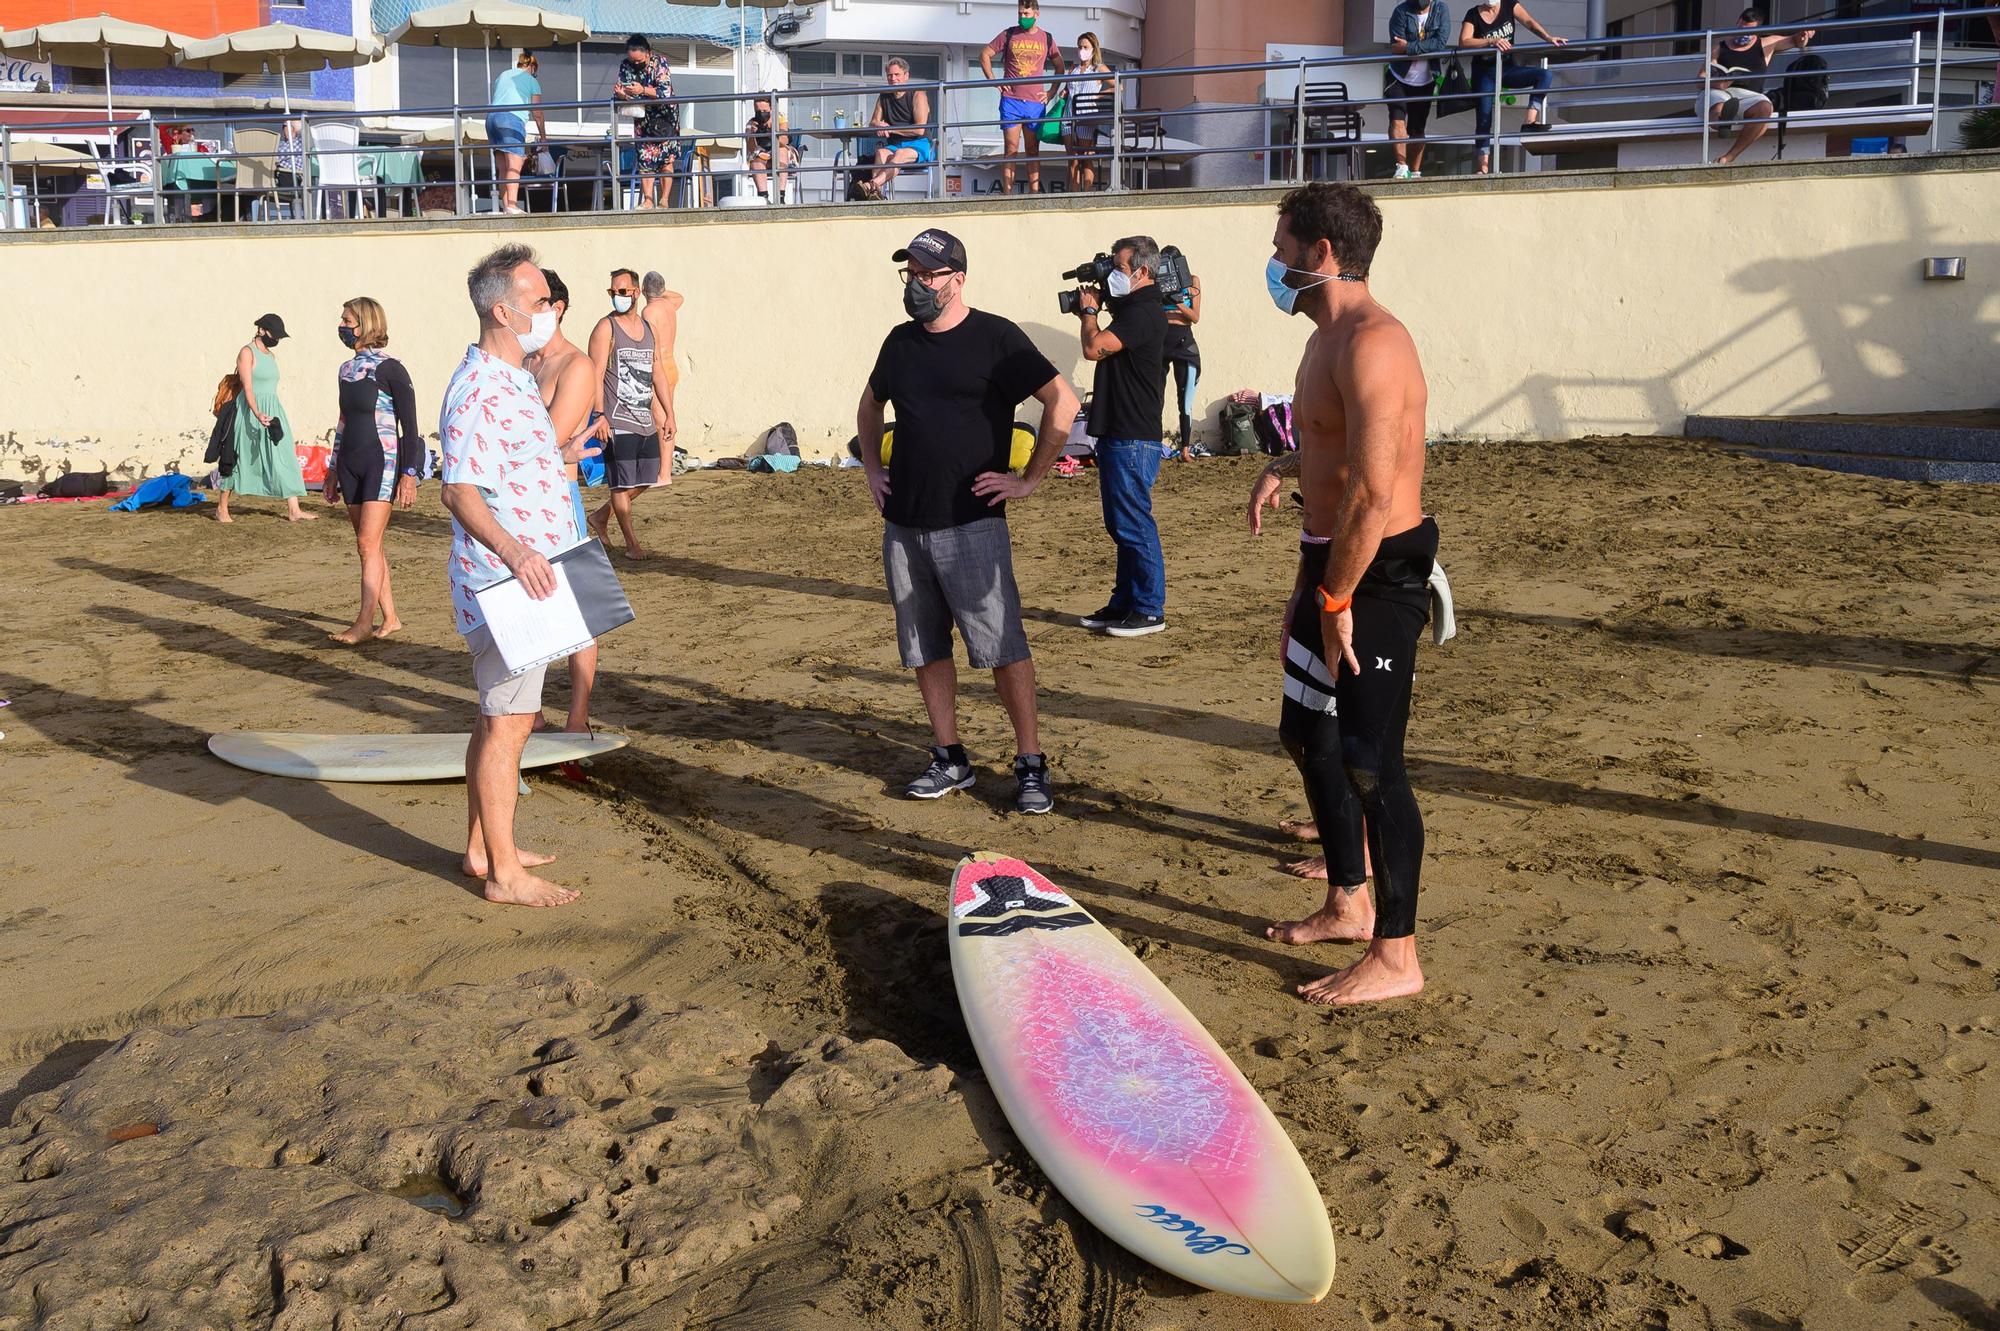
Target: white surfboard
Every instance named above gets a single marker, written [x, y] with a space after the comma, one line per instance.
[385, 758]
[1126, 1102]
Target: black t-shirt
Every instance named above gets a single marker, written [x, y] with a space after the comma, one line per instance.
[954, 393]
[1130, 388]
[1502, 25]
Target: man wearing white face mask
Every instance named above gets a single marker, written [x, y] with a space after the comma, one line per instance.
[1363, 592]
[1125, 403]
[510, 510]
[637, 414]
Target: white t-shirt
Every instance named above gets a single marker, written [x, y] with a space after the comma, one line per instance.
[1419, 73]
[496, 434]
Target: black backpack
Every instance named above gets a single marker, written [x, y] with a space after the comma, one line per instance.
[1804, 86]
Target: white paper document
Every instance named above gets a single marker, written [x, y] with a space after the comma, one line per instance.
[530, 632]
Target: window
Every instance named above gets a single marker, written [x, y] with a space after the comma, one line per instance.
[297, 83]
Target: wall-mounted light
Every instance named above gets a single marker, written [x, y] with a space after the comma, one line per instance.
[1945, 270]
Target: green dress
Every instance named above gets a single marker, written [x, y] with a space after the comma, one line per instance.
[262, 467]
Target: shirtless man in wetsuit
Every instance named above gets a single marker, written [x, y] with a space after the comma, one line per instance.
[1362, 596]
[563, 372]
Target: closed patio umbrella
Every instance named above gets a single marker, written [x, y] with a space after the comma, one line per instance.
[283, 46]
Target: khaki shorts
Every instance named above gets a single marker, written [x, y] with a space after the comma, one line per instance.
[501, 694]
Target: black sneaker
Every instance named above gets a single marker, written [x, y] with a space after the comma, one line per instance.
[1031, 795]
[1136, 625]
[941, 778]
[1102, 619]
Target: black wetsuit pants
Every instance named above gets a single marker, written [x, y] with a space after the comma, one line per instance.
[1345, 730]
[1185, 358]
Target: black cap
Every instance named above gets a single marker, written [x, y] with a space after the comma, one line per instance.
[934, 249]
[273, 325]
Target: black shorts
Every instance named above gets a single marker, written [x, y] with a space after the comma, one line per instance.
[1417, 111]
[1391, 607]
[366, 471]
[633, 462]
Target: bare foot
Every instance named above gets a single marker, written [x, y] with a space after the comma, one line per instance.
[1299, 829]
[530, 859]
[223, 517]
[349, 636]
[600, 526]
[576, 727]
[301, 516]
[528, 890]
[634, 552]
[389, 628]
[1313, 866]
[1324, 926]
[1369, 980]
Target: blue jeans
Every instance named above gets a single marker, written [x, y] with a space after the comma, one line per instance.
[1126, 470]
[1519, 76]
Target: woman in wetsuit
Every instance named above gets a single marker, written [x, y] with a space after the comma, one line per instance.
[378, 455]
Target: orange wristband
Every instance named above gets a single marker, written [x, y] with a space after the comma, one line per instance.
[1331, 606]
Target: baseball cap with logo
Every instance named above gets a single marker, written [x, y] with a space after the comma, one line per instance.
[934, 249]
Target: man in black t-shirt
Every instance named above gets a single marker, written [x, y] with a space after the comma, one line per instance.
[955, 375]
[1125, 402]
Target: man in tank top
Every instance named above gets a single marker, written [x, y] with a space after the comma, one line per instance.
[632, 407]
[1736, 88]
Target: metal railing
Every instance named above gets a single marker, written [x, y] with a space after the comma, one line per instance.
[594, 156]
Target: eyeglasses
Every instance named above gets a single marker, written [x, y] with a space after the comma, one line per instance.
[620, 291]
[933, 280]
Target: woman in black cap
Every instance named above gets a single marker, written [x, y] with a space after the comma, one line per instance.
[267, 457]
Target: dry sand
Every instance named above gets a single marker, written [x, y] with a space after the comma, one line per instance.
[1709, 917]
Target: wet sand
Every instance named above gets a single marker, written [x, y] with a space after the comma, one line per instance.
[1709, 914]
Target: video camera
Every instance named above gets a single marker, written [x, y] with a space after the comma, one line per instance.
[1172, 278]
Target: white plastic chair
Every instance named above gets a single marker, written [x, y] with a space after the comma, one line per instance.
[336, 165]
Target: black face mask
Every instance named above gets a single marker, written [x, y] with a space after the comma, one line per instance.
[921, 302]
[347, 338]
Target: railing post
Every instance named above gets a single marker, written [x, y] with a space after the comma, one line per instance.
[460, 191]
[774, 193]
[1299, 126]
[1937, 80]
[160, 188]
[1916, 68]
[938, 154]
[1117, 135]
[611, 164]
[7, 178]
[308, 191]
[1493, 130]
[1707, 86]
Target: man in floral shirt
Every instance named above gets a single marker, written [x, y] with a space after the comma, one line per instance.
[510, 510]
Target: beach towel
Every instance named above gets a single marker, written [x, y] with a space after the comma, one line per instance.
[173, 489]
[783, 462]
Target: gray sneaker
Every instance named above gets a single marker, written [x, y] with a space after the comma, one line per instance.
[1031, 793]
[941, 778]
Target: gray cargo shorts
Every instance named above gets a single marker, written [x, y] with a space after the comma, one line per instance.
[502, 694]
[955, 575]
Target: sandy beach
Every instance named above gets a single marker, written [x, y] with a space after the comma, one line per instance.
[1709, 918]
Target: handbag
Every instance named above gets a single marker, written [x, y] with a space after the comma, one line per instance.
[1057, 111]
[1454, 93]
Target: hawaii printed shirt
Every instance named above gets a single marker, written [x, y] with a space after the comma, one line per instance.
[496, 435]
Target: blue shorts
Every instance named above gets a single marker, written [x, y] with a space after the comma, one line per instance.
[921, 147]
[576, 502]
[507, 134]
[1014, 111]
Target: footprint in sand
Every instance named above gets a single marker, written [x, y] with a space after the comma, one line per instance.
[1523, 1225]
[1888, 1249]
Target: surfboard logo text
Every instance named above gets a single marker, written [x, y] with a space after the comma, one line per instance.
[1197, 1238]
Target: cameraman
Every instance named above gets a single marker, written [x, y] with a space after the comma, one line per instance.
[1127, 395]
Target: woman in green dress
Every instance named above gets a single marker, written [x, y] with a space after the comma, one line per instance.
[264, 467]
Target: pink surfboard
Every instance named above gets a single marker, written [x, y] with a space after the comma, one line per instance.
[1126, 1102]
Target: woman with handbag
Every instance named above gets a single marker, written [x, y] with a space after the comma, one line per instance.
[267, 456]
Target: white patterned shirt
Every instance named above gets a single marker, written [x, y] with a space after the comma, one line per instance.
[496, 435]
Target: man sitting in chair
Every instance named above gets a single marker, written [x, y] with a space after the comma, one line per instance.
[902, 119]
[760, 132]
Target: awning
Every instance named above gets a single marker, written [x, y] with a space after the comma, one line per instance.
[610, 19]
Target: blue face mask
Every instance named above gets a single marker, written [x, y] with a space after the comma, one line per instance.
[1286, 297]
